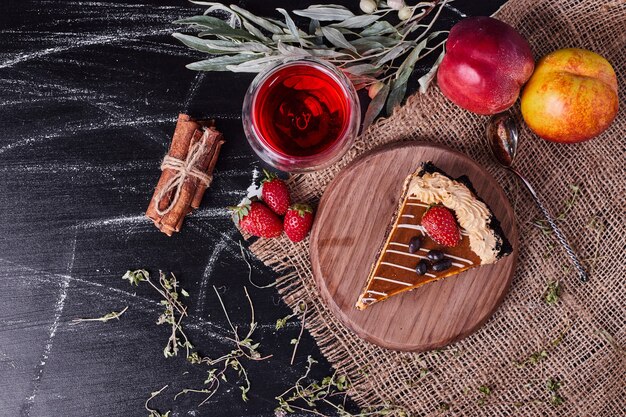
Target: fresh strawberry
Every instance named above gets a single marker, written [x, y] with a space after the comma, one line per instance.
[257, 219]
[275, 193]
[298, 221]
[441, 226]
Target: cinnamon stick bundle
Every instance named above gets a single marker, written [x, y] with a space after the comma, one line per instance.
[187, 171]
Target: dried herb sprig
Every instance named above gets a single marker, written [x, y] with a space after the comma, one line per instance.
[245, 348]
[307, 398]
[374, 53]
[533, 359]
[553, 386]
[109, 316]
[552, 292]
[153, 412]
[542, 355]
[485, 392]
[243, 256]
[174, 310]
[301, 309]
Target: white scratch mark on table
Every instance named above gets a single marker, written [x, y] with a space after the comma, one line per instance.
[196, 322]
[70, 131]
[58, 311]
[210, 213]
[138, 219]
[204, 283]
[81, 43]
[132, 122]
[115, 221]
[233, 245]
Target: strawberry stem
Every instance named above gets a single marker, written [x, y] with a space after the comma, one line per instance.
[301, 208]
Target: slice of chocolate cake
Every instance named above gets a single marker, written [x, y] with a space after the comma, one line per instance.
[410, 258]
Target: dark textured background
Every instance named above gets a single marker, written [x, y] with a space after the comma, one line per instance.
[89, 93]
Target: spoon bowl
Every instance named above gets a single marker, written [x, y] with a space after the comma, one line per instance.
[502, 136]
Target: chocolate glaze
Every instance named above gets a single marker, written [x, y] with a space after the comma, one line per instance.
[407, 260]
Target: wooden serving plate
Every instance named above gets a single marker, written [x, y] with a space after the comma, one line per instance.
[350, 225]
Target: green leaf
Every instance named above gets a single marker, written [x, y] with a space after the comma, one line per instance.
[375, 106]
[255, 65]
[292, 51]
[216, 27]
[553, 384]
[396, 95]
[356, 22]
[379, 28]
[336, 38]
[325, 13]
[259, 21]
[362, 69]
[367, 47]
[196, 43]
[314, 27]
[327, 53]
[393, 53]
[290, 23]
[406, 68]
[230, 46]
[256, 32]
[233, 17]
[244, 391]
[552, 292]
[286, 37]
[137, 276]
[427, 78]
[360, 81]
[386, 41]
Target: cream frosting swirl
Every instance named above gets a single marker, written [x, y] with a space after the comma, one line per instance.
[472, 214]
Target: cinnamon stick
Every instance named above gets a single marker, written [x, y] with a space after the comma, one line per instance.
[187, 172]
[178, 149]
[215, 140]
[172, 220]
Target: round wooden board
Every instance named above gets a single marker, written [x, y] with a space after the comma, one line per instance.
[350, 225]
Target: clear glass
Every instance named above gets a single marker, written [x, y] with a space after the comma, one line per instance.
[266, 148]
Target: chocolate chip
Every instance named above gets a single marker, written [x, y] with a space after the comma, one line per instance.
[415, 244]
[435, 255]
[421, 267]
[442, 265]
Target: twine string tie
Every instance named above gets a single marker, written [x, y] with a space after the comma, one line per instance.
[182, 170]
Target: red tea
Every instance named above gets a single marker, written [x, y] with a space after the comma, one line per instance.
[301, 110]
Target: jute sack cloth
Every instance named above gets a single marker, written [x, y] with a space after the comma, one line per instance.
[583, 334]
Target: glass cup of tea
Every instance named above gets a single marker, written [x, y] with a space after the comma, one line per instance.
[301, 115]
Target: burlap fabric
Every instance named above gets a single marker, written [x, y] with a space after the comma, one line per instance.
[583, 334]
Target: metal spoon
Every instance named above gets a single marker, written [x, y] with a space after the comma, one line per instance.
[502, 136]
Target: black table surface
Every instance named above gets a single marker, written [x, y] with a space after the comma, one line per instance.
[89, 94]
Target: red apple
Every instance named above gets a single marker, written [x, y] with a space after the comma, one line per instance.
[571, 97]
[485, 65]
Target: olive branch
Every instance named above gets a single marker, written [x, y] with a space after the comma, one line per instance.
[374, 53]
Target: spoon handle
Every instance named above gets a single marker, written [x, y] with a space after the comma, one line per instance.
[559, 235]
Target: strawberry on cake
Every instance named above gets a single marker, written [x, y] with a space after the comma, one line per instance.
[441, 228]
